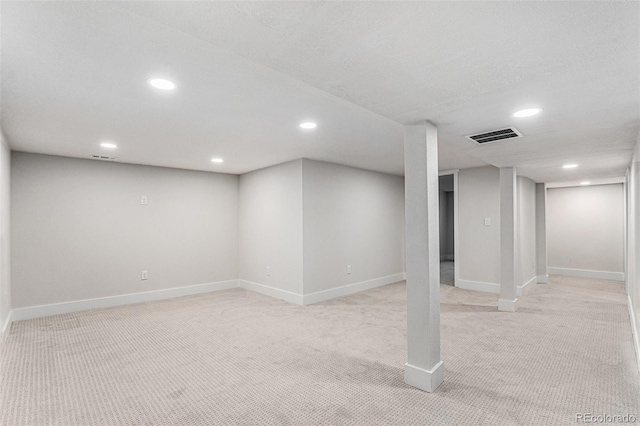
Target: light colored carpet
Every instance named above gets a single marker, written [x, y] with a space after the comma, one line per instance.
[236, 357]
[447, 272]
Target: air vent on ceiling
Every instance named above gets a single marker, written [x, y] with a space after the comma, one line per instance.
[103, 158]
[496, 135]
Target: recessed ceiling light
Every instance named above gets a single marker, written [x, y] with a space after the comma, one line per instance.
[109, 145]
[217, 160]
[585, 183]
[162, 84]
[569, 166]
[308, 125]
[527, 112]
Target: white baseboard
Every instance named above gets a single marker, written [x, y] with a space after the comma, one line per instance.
[426, 380]
[346, 290]
[507, 305]
[634, 330]
[543, 279]
[585, 273]
[526, 287]
[277, 293]
[125, 299]
[479, 286]
[6, 327]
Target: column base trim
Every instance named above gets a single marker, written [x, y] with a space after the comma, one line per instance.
[507, 305]
[426, 380]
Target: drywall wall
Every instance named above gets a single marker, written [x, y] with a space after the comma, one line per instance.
[585, 229]
[5, 232]
[79, 230]
[526, 239]
[479, 245]
[633, 246]
[351, 217]
[270, 227]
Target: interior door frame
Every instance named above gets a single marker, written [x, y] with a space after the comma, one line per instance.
[456, 237]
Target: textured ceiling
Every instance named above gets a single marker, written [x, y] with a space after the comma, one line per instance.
[249, 72]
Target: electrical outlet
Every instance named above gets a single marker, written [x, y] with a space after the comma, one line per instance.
[144, 275]
[268, 271]
[348, 269]
[143, 200]
[487, 221]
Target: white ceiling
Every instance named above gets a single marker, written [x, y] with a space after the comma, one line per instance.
[74, 73]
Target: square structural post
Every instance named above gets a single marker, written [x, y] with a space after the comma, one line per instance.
[508, 224]
[424, 368]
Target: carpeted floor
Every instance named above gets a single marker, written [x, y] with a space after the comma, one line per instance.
[236, 357]
[447, 272]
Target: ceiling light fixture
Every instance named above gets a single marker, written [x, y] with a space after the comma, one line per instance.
[527, 112]
[217, 160]
[585, 183]
[308, 125]
[569, 166]
[162, 84]
[108, 145]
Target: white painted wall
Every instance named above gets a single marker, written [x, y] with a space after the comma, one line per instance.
[526, 194]
[80, 232]
[585, 228]
[633, 241]
[351, 217]
[479, 245]
[271, 227]
[5, 231]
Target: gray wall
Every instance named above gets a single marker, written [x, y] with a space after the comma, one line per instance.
[351, 217]
[5, 231]
[526, 229]
[80, 232]
[271, 226]
[479, 250]
[585, 227]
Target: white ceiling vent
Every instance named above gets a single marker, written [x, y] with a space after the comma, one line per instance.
[496, 135]
[103, 158]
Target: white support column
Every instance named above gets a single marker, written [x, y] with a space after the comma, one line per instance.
[508, 223]
[541, 234]
[424, 368]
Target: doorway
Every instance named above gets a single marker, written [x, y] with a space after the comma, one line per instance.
[447, 185]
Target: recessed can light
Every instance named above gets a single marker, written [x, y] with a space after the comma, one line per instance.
[569, 166]
[162, 84]
[308, 125]
[585, 183]
[217, 160]
[527, 112]
[108, 145]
